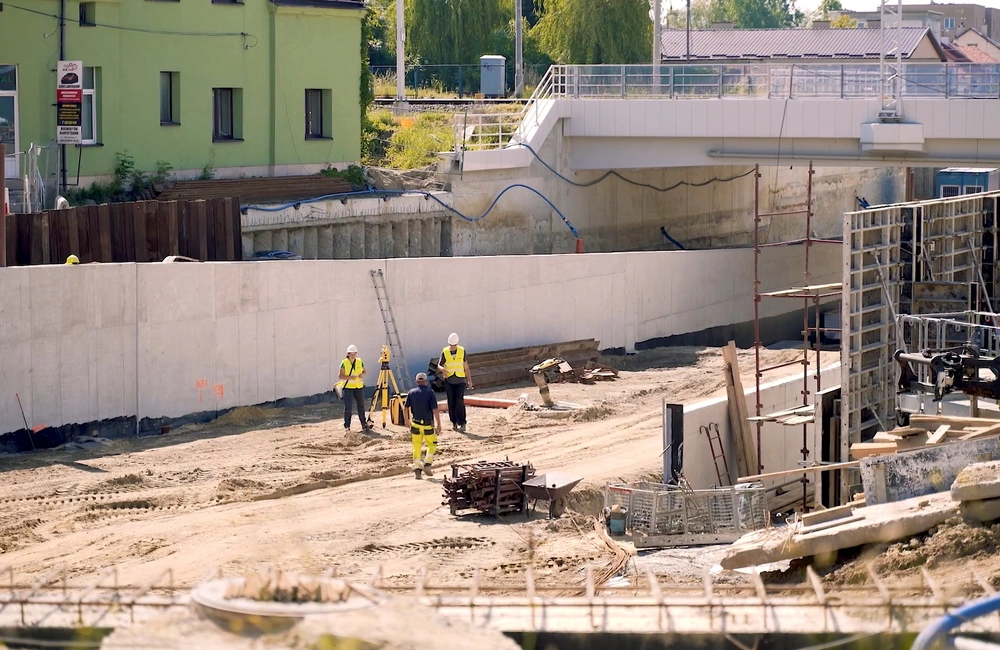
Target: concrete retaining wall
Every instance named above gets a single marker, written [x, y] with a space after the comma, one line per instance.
[616, 216]
[780, 445]
[96, 342]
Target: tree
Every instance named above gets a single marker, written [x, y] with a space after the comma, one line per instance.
[756, 14]
[826, 6]
[595, 31]
[843, 21]
[454, 31]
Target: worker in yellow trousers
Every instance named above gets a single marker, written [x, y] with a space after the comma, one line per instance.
[421, 416]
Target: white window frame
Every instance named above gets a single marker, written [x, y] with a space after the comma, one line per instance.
[957, 188]
[948, 23]
[972, 189]
[92, 93]
[12, 159]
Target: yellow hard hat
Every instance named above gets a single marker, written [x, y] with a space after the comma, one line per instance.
[72, 259]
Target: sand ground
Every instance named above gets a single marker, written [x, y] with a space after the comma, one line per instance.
[289, 488]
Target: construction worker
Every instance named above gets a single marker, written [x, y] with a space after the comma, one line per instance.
[422, 417]
[72, 259]
[454, 367]
[352, 374]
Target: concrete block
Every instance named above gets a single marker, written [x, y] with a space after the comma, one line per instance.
[985, 510]
[977, 482]
[923, 471]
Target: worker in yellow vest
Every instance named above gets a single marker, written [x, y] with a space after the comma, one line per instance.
[352, 374]
[454, 367]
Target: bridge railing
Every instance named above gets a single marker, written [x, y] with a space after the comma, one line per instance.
[772, 81]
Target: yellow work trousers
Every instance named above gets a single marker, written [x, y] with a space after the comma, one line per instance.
[421, 434]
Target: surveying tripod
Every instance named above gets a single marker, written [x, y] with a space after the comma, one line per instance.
[383, 400]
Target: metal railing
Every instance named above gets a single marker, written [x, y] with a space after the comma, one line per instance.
[751, 81]
[773, 81]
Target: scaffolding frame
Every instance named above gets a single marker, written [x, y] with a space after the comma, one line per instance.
[811, 296]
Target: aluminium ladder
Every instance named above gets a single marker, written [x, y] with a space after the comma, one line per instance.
[398, 360]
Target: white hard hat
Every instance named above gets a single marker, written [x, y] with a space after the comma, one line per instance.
[352, 348]
[453, 339]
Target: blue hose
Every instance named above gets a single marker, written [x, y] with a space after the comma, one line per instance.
[934, 635]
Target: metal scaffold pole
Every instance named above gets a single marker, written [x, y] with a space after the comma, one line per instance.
[811, 296]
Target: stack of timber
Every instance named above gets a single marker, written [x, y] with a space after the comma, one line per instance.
[254, 190]
[491, 487]
[500, 367]
[926, 430]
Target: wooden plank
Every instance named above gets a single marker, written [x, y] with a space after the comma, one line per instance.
[823, 516]
[939, 435]
[985, 433]
[154, 231]
[59, 248]
[746, 453]
[138, 221]
[23, 239]
[219, 222]
[84, 220]
[906, 432]
[37, 233]
[184, 230]
[237, 226]
[930, 421]
[799, 471]
[199, 229]
[168, 212]
[861, 450]
[226, 212]
[882, 436]
[806, 289]
[210, 229]
[74, 218]
[9, 227]
[105, 252]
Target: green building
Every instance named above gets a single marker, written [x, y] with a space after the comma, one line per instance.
[233, 87]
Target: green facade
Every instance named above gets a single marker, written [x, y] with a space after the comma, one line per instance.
[269, 53]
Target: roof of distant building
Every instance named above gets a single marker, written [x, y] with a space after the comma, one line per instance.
[757, 44]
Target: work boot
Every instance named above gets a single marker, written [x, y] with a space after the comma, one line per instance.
[461, 428]
[416, 474]
[427, 470]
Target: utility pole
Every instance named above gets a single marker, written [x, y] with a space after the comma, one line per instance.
[400, 53]
[62, 57]
[518, 50]
[688, 56]
[657, 45]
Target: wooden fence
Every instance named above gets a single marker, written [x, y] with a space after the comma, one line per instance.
[143, 231]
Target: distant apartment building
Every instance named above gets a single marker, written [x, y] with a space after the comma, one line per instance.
[945, 20]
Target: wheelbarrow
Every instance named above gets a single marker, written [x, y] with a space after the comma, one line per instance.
[552, 487]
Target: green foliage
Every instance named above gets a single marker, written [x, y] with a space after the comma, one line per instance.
[453, 31]
[163, 169]
[367, 90]
[826, 6]
[756, 14]
[595, 31]
[390, 143]
[843, 21]
[375, 134]
[354, 175]
[379, 37]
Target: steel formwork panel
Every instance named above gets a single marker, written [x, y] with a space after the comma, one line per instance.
[886, 250]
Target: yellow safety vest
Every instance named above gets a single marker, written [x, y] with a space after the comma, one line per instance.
[359, 367]
[454, 365]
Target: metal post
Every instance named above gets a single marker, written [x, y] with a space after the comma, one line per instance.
[518, 50]
[62, 57]
[657, 45]
[3, 184]
[400, 53]
[805, 339]
[756, 306]
[688, 29]
[461, 94]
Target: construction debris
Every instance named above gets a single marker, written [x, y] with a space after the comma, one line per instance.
[746, 450]
[492, 487]
[926, 430]
[977, 488]
[556, 370]
[865, 525]
[922, 471]
[501, 367]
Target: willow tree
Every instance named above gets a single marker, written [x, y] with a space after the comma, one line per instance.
[454, 31]
[596, 31]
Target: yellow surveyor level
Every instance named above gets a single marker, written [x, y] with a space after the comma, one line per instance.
[384, 400]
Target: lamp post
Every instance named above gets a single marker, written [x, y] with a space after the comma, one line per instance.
[400, 53]
[518, 51]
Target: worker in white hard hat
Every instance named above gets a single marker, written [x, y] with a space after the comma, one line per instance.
[454, 367]
[423, 418]
[352, 374]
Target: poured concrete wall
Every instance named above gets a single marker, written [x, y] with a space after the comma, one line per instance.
[617, 216]
[781, 446]
[95, 342]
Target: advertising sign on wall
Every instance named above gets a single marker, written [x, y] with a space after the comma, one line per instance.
[69, 102]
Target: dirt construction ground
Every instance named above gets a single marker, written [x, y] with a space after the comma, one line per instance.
[289, 488]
